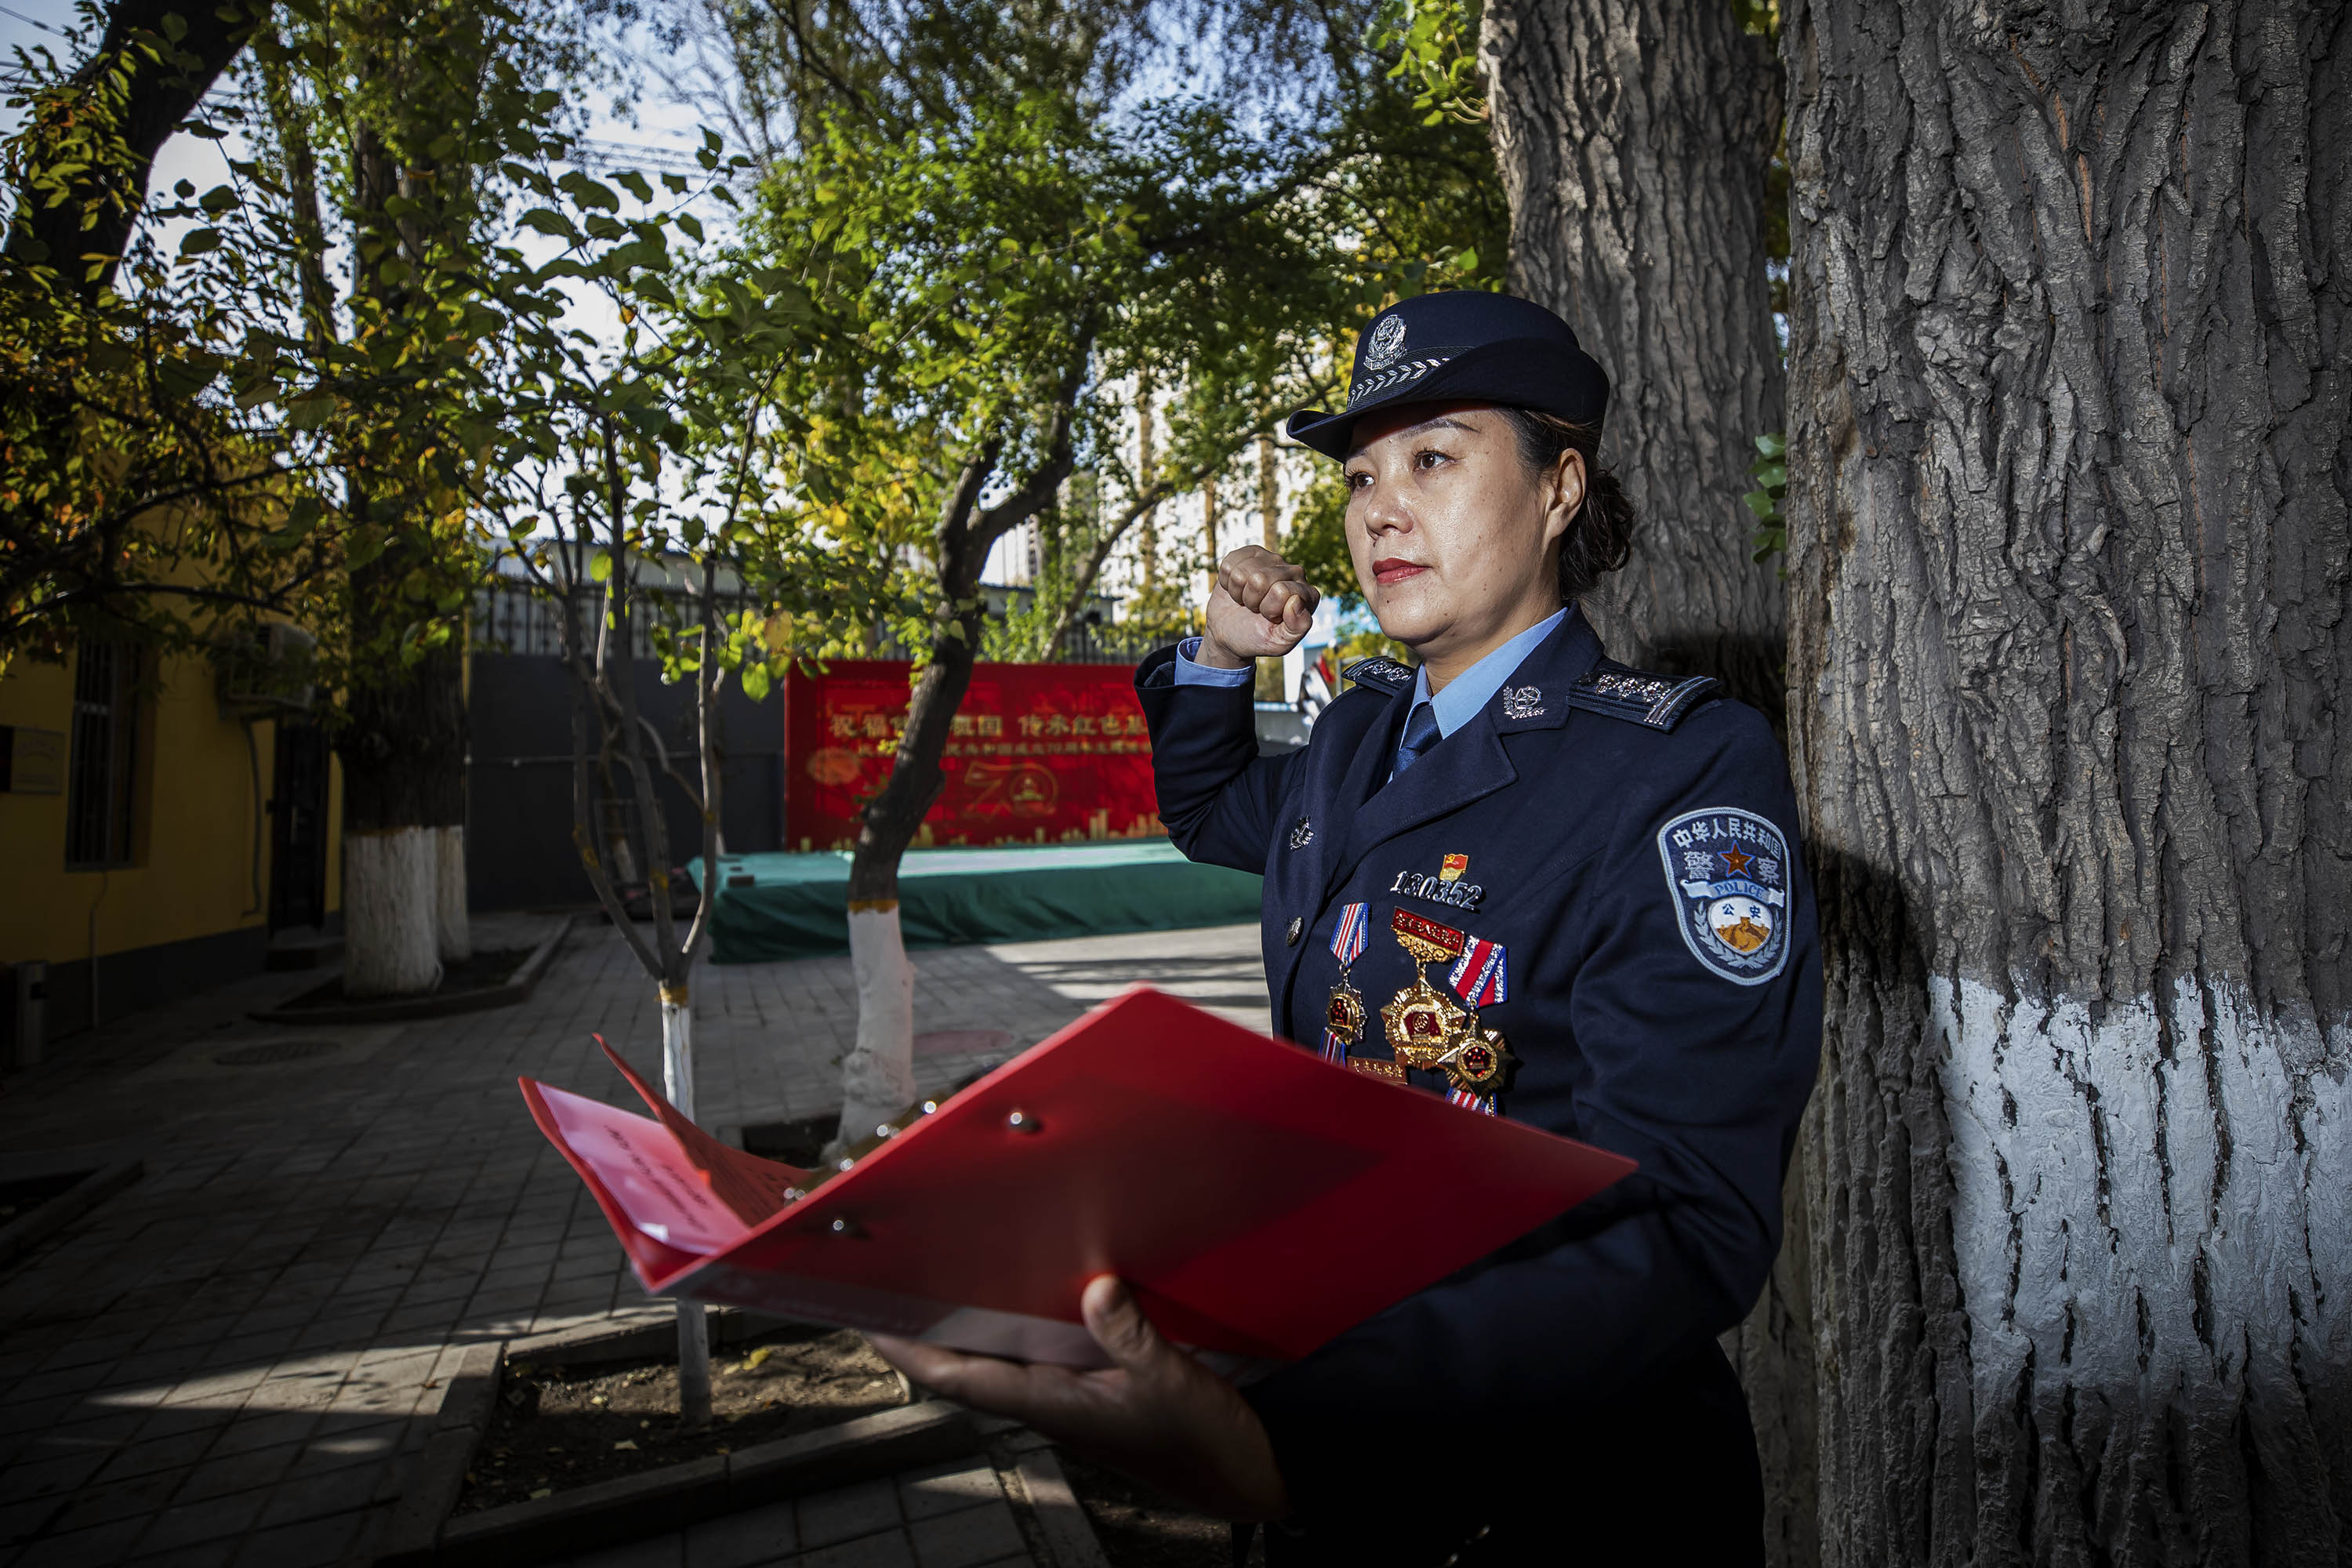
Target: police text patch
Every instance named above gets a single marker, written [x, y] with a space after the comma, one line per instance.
[1727, 873]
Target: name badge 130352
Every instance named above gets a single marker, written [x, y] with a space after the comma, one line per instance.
[1456, 895]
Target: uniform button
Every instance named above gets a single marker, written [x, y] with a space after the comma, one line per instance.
[1290, 937]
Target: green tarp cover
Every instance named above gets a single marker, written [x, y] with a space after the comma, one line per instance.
[793, 905]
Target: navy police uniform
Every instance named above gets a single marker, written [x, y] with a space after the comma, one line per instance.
[1629, 842]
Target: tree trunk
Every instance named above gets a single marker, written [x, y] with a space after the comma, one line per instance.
[2068, 527]
[1209, 530]
[1269, 496]
[454, 929]
[388, 881]
[404, 748]
[404, 780]
[878, 1075]
[1634, 137]
[693, 1321]
[1147, 467]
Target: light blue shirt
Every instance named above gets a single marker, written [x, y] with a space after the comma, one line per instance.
[1455, 706]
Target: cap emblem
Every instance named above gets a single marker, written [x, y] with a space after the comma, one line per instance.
[1387, 341]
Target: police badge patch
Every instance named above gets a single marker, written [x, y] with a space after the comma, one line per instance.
[1727, 872]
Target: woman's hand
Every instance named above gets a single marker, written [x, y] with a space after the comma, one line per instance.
[1155, 1413]
[1260, 607]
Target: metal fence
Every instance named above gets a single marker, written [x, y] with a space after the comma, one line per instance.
[512, 617]
[1083, 644]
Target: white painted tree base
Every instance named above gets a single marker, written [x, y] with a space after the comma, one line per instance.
[877, 1079]
[2153, 1221]
[391, 943]
[456, 932]
[693, 1321]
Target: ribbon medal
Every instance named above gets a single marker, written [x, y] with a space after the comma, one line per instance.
[1343, 1016]
[1480, 1063]
[1480, 976]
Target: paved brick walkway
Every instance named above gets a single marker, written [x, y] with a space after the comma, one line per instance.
[949, 1516]
[224, 1361]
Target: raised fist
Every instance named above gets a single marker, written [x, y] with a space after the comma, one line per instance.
[1260, 607]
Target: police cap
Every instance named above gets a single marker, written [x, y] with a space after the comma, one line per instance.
[1461, 346]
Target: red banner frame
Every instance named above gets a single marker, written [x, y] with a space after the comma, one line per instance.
[1041, 754]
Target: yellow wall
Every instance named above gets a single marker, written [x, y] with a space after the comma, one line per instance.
[194, 872]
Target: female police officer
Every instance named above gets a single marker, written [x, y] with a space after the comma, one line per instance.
[1536, 881]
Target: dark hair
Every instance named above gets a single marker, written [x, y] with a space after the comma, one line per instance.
[1602, 533]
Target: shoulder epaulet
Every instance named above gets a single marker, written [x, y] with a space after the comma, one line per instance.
[1380, 674]
[1638, 697]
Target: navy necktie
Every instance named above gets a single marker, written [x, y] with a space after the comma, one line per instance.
[1420, 733]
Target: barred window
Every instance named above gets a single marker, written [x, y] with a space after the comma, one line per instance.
[105, 756]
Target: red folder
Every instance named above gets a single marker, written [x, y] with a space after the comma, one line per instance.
[1257, 1199]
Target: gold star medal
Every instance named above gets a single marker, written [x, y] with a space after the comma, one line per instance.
[1481, 1063]
[1422, 1025]
[1344, 1016]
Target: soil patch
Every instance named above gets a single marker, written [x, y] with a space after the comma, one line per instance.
[482, 972]
[798, 1143]
[1141, 1528]
[560, 1427]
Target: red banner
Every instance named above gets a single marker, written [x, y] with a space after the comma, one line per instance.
[1040, 753]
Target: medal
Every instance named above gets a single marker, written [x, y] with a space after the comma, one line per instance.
[1343, 1016]
[1480, 1065]
[1479, 976]
[1422, 1025]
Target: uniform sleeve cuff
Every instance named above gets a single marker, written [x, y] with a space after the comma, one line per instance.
[1191, 674]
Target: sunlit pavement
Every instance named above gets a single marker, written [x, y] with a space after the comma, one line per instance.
[225, 1362]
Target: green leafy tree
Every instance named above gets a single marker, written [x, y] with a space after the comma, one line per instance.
[996, 281]
[406, 131]
[193, 441]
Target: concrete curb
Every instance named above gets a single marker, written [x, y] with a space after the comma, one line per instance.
[639, 1336]
[469, 1392]
[671, 1498]
[404, 1009]
[1069, 1534]
[421, 1530]
[27, 1231]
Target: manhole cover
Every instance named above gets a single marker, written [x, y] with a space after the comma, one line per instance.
[273, 1051]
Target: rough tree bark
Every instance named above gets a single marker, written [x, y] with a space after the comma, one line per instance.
[1634, 137]
[2069, 415]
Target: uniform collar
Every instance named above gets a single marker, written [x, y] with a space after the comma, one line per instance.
[1472, 689]
[1534, 695]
